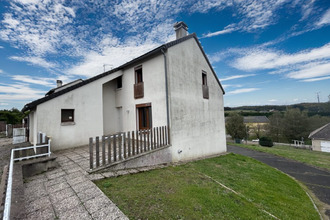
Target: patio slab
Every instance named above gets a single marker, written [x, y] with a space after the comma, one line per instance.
[68, 192]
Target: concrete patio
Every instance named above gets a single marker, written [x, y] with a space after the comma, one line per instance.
[68, 192]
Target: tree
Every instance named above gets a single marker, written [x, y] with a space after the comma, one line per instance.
[235, 126]
[275, 126]
[295, 125]
[13, 116]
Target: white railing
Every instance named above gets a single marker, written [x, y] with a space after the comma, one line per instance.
[6, 213]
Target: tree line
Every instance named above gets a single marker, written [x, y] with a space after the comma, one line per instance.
[293, 124]
[12, 116]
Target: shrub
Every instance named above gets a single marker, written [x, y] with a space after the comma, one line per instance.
[266, 141]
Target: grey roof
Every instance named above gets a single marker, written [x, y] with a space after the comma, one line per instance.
[147, 55]
[256, 119]
[322, 133]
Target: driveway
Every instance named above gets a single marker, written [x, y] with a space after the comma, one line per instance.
[318, 181]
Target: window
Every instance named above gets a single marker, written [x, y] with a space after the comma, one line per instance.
[67, 115]
[138, 75]
[204, 79]
[144, 116]
[138, 86]
[119, 82]
[205, 87]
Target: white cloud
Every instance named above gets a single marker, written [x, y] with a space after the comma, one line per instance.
[272, 100]
[1, 71]
[236, 77]
[253, 15]
[49, 82]
[3, 103]
[315, 79]
[311, 70]
[224, 31]
[257, 59]
[37, 61]
[1, 47]
[20, 92]
[239, 91]
[325, 19]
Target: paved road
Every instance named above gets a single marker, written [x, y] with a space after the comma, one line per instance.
[318, 181]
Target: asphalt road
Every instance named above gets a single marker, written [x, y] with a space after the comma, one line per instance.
[317, 180]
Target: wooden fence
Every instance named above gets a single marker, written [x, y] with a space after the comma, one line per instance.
[118, 147]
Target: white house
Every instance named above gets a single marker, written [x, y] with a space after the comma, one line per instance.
[173, 85]
[321, 138]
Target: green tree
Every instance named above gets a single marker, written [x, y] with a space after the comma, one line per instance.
[275, 126]
[13, 116]
[295, 125]
[235, 126]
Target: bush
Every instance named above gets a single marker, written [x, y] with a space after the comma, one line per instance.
[266, 141]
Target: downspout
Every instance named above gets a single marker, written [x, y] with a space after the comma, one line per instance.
[166, 90]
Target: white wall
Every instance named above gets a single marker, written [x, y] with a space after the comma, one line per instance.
[97, 105]
[197, 124]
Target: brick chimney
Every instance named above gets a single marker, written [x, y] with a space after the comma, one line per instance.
[181, 29]
[58, 83]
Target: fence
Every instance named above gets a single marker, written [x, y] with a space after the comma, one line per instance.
[121, 146]
[19, 154]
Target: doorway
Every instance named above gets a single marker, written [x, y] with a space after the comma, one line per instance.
[144, 116]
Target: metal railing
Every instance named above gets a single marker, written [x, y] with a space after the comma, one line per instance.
[6, 213]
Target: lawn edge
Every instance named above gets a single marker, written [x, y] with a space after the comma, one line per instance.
[320, 168]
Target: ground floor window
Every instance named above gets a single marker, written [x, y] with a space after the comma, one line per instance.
[67, 115]
[144, 116]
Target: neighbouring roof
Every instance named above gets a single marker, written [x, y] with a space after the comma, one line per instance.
[256, 119]
[57, 89]
[322, 133]
[149, 54]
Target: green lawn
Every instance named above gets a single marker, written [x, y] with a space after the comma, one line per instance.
[314, 158]
[188, 192]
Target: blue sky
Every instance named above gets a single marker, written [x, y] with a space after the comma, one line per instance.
[263, 51]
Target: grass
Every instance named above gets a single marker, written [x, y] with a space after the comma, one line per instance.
[192, 191]
[314, 158]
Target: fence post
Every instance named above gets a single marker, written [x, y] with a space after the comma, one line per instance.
[90, 153]
[129, 143]
[114, 148]
[157, 144]
[148, 139]
[97, 145]
[144, 140]
[133, 143]
[141, 140]
[124, 144]
[109, 149]
[163, 133]
[166, 135]
[120, 142]
[103, 150]
[151, 139]
[137, 142]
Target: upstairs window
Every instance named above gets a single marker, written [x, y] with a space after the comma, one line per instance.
[205, 87]
[119, 82]
[67, 115]
[138, 86]
[138, 75]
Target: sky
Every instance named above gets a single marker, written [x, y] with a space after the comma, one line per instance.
[265, 52]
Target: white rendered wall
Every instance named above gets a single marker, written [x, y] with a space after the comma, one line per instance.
[197, 124]
[97, 104]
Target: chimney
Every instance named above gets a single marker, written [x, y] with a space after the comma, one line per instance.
[59, 83]
[181, 29]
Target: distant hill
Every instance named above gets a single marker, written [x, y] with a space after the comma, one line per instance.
[322, 109]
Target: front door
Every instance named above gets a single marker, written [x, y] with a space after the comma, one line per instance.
[144, 116]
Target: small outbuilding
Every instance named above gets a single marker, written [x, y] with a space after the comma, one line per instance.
[321, 138]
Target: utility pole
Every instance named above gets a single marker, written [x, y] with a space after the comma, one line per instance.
[318, 96]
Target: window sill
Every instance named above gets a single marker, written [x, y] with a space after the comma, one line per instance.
[67, 123]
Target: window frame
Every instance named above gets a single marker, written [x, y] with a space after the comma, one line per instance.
[148, 115]
[119, 83]
[69, 121]
[205, 87]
